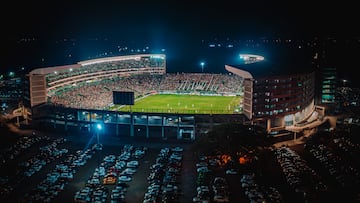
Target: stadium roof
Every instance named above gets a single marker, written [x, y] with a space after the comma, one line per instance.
[44, 71]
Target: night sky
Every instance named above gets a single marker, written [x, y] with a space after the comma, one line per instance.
[176, 24]
[135, 18]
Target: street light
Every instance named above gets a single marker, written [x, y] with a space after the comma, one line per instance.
[344, 82]
[202, 66]
[98, 127]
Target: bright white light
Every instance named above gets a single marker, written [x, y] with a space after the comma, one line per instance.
[99, 126]
[202, 66]
[251, 58]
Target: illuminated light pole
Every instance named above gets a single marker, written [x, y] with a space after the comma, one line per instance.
[202, 66]
[344, 82]
[99, 155]
[98, 128]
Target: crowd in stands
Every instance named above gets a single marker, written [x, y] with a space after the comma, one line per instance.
[130, 63]
[98, 94]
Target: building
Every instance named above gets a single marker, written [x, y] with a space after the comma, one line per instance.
[276, 96]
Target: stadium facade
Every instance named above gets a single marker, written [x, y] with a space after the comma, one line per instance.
[276, 97]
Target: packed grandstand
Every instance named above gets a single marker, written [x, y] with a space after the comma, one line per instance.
[86, 95]
[82, 84]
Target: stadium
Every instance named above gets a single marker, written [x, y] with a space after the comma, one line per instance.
[80, 97]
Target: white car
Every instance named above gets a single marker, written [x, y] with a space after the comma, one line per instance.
[177, 149]
[132, 164]
[231, 172]
[125, 178]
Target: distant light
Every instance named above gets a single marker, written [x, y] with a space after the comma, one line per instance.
[11, 74]
[202, 66]
[99, 126]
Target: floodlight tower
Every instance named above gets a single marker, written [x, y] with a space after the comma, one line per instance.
[202, 66]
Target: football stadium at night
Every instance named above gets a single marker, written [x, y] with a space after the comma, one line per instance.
[134, 95]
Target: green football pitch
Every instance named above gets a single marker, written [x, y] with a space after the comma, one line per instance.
[185, 104]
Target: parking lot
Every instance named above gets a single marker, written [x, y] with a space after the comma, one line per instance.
[111, 145]
[50, 167]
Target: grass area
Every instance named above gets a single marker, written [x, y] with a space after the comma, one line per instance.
[192, 104]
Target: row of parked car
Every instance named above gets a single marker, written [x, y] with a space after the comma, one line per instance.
[259, 193]
[298, 174]
[344, 172]
[23, 169]
[114, 170]
[22, 144]
[46, 154]
[59, 176]
[163, 178]
[209, 187]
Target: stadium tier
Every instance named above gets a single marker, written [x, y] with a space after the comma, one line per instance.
[45, 82]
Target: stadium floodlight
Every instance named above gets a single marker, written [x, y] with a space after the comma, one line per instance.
[251, 58]
[202, 66]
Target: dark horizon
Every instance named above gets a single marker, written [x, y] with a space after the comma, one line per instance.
[177, 26]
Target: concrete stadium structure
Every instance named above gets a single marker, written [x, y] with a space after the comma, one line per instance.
[46, 84]
[273, 99]
[277, 97]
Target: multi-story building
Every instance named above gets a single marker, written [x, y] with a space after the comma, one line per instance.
[276, 96]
